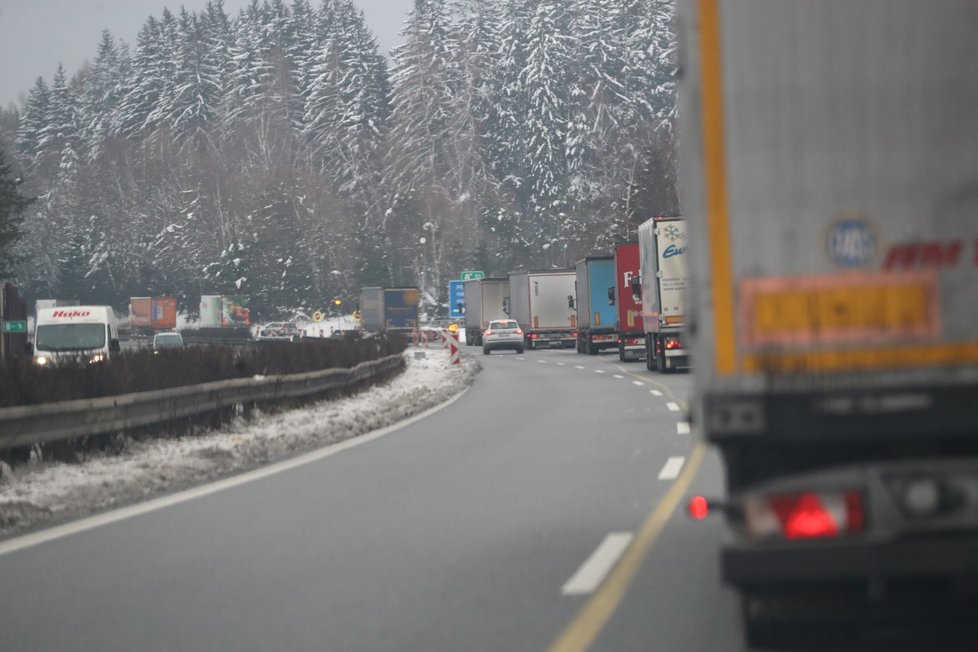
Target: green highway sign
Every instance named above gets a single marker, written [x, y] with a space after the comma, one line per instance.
[15, 327]
[471, 276]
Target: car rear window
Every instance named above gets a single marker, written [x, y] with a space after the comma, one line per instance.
[504, 325]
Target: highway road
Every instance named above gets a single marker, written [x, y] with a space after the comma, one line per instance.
[536, 512]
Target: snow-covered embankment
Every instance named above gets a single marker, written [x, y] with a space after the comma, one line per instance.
[50, 491]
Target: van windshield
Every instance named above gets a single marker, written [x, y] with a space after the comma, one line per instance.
[69, 337]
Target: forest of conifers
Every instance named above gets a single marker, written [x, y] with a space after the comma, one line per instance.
[279, 153]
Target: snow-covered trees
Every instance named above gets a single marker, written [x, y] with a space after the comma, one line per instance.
[12, 204]
[279, 152]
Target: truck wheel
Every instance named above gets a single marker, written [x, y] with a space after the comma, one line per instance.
[468, 338]
[519, 350]
[621, 352]
[650, 353]
[529, 345]
[660, 362]
[485, 351]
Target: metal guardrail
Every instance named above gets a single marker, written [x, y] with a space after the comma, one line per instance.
[32, 424]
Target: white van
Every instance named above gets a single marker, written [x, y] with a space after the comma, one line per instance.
[81, 332]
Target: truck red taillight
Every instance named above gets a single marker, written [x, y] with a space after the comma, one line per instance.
[534, 336]
[806, 515]
[673, 344]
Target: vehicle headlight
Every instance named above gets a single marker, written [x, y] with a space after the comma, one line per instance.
[98, 357]
[41, 360]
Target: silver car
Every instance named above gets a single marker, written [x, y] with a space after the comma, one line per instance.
[502, 334]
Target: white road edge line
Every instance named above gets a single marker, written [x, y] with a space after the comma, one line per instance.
[673, 407]
[593, 571]
[682, 428]
[90, 523]
[655, 392]
[672, 468]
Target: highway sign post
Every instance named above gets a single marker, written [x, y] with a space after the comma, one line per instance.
[15, 326]
[456, 299]
[471, 275]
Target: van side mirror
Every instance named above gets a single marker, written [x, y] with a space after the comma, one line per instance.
[114, 346]
[611, 296]
[570, 302]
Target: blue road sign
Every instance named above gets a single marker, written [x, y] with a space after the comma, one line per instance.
[456, 299]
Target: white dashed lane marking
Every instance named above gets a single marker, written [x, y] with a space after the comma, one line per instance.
[593, 571]
[655, 392]
[673, 407]
[617, 376]
[672, 468]
[638, 383]
[577, 366]
[682, 428]
[599, 371]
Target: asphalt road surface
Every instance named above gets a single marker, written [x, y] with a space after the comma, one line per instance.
[540, 511]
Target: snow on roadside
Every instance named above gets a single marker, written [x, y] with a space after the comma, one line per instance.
[49, 491]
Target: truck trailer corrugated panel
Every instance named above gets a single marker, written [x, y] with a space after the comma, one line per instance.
[595, 275]
[627, 267]
[484, 301]
[665, 272]
[372, 309]
[539, 300]
[835, 264]
[401, 308]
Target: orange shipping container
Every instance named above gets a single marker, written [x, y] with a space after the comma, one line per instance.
[164, 313]
[140, 312]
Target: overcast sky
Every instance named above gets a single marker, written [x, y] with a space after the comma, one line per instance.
[36, 34]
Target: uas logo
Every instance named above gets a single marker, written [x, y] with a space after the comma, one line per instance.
[852, 242]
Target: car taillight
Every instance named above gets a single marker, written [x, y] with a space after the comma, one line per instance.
[673, 344]
[574, 334]
[488, 332]
[519, 331]
[806, 515]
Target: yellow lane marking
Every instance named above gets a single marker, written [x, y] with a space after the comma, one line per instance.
[592, 618]
[717, 203]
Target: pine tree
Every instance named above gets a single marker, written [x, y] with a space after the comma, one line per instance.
[12, 205]
[103, 93]
[33, 119]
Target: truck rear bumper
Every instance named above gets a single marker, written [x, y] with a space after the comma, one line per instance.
[839, 561]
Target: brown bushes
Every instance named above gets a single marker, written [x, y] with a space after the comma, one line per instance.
[24, 383]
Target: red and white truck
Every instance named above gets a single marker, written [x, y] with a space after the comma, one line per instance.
[631, 331]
